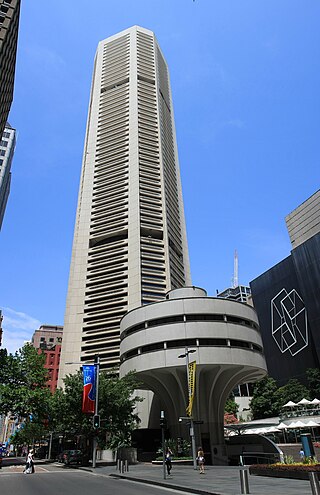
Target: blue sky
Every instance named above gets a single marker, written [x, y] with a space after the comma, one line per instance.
[245, 80]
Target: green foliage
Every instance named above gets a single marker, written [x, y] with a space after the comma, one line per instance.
[264, 403]
[313, 377]
[27, 434]
[23, 390]
[293, 390]
[231, 407]
[268, 399]
[179, 449]
[310, 460]
[117, 402]
[288, 459]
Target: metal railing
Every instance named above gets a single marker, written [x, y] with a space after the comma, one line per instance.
[247, 458]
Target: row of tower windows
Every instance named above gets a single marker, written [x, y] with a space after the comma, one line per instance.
[176, 344]
[186, 318]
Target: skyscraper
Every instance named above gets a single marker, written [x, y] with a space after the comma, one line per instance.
[130, 243]
[7, 146]
[9, 23]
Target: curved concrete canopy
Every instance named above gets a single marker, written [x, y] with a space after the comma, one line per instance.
[228, 351]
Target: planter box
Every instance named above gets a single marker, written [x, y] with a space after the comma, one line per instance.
[106, 455]
[128, 454]
[296, 472]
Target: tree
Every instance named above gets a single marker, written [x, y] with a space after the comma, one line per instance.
[23, 390]
[293, 390]
[313, 377]
[116, 409]
[264, 403]
[117, 405]
[231, 407]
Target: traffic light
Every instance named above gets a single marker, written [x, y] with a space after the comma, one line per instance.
[163, 423]
[96, 421]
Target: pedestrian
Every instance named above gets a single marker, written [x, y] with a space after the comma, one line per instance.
[200, 458]
[301, 454]
[168, 460]
[29, 468]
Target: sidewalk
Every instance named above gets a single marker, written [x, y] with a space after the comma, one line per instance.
[217, 480]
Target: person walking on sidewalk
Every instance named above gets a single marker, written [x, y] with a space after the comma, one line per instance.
[200, 457]
[168, 460]
[29, 468]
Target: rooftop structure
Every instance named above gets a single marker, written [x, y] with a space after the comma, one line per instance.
[304, 222]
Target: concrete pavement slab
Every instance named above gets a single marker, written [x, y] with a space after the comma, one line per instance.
[217, 480]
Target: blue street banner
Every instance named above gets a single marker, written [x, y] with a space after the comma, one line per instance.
[89, 389]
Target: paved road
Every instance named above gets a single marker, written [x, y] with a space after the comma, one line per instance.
[54, 480]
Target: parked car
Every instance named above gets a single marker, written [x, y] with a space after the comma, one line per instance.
[75, 457]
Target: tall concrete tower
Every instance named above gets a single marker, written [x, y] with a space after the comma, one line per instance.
[7, 147]
[130, 243]
[9, 25]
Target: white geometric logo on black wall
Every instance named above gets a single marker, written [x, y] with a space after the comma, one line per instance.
[289, 322]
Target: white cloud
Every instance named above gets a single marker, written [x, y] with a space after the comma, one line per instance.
[18, 328]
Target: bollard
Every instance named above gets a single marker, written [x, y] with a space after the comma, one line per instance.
[126, 465]
[118, 464]
[314, 482]
[121, 466]
[244, 480]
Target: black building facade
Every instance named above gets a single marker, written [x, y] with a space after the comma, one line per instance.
[287, 300]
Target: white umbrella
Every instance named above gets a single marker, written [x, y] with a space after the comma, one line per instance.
[315, 402]
[296, 424]
[304, 402]
[282, 426]
[290, 404]
[272, 429]
[261, 431]
[312, 424]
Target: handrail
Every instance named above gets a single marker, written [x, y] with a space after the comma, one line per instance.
[272, 456]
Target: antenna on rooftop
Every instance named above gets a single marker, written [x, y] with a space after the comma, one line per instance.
[235, 269]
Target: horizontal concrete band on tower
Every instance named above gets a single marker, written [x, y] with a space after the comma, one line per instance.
[226, 337]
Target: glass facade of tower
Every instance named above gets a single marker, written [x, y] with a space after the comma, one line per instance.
[130, 243]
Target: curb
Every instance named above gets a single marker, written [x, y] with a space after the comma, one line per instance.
[163, 484]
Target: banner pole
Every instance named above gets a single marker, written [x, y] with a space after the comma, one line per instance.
[97, 369]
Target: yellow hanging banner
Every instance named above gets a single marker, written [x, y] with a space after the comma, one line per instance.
[191, 386]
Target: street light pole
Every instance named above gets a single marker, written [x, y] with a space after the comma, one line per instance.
[192, 436]
[97, 366]
[163, 426]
